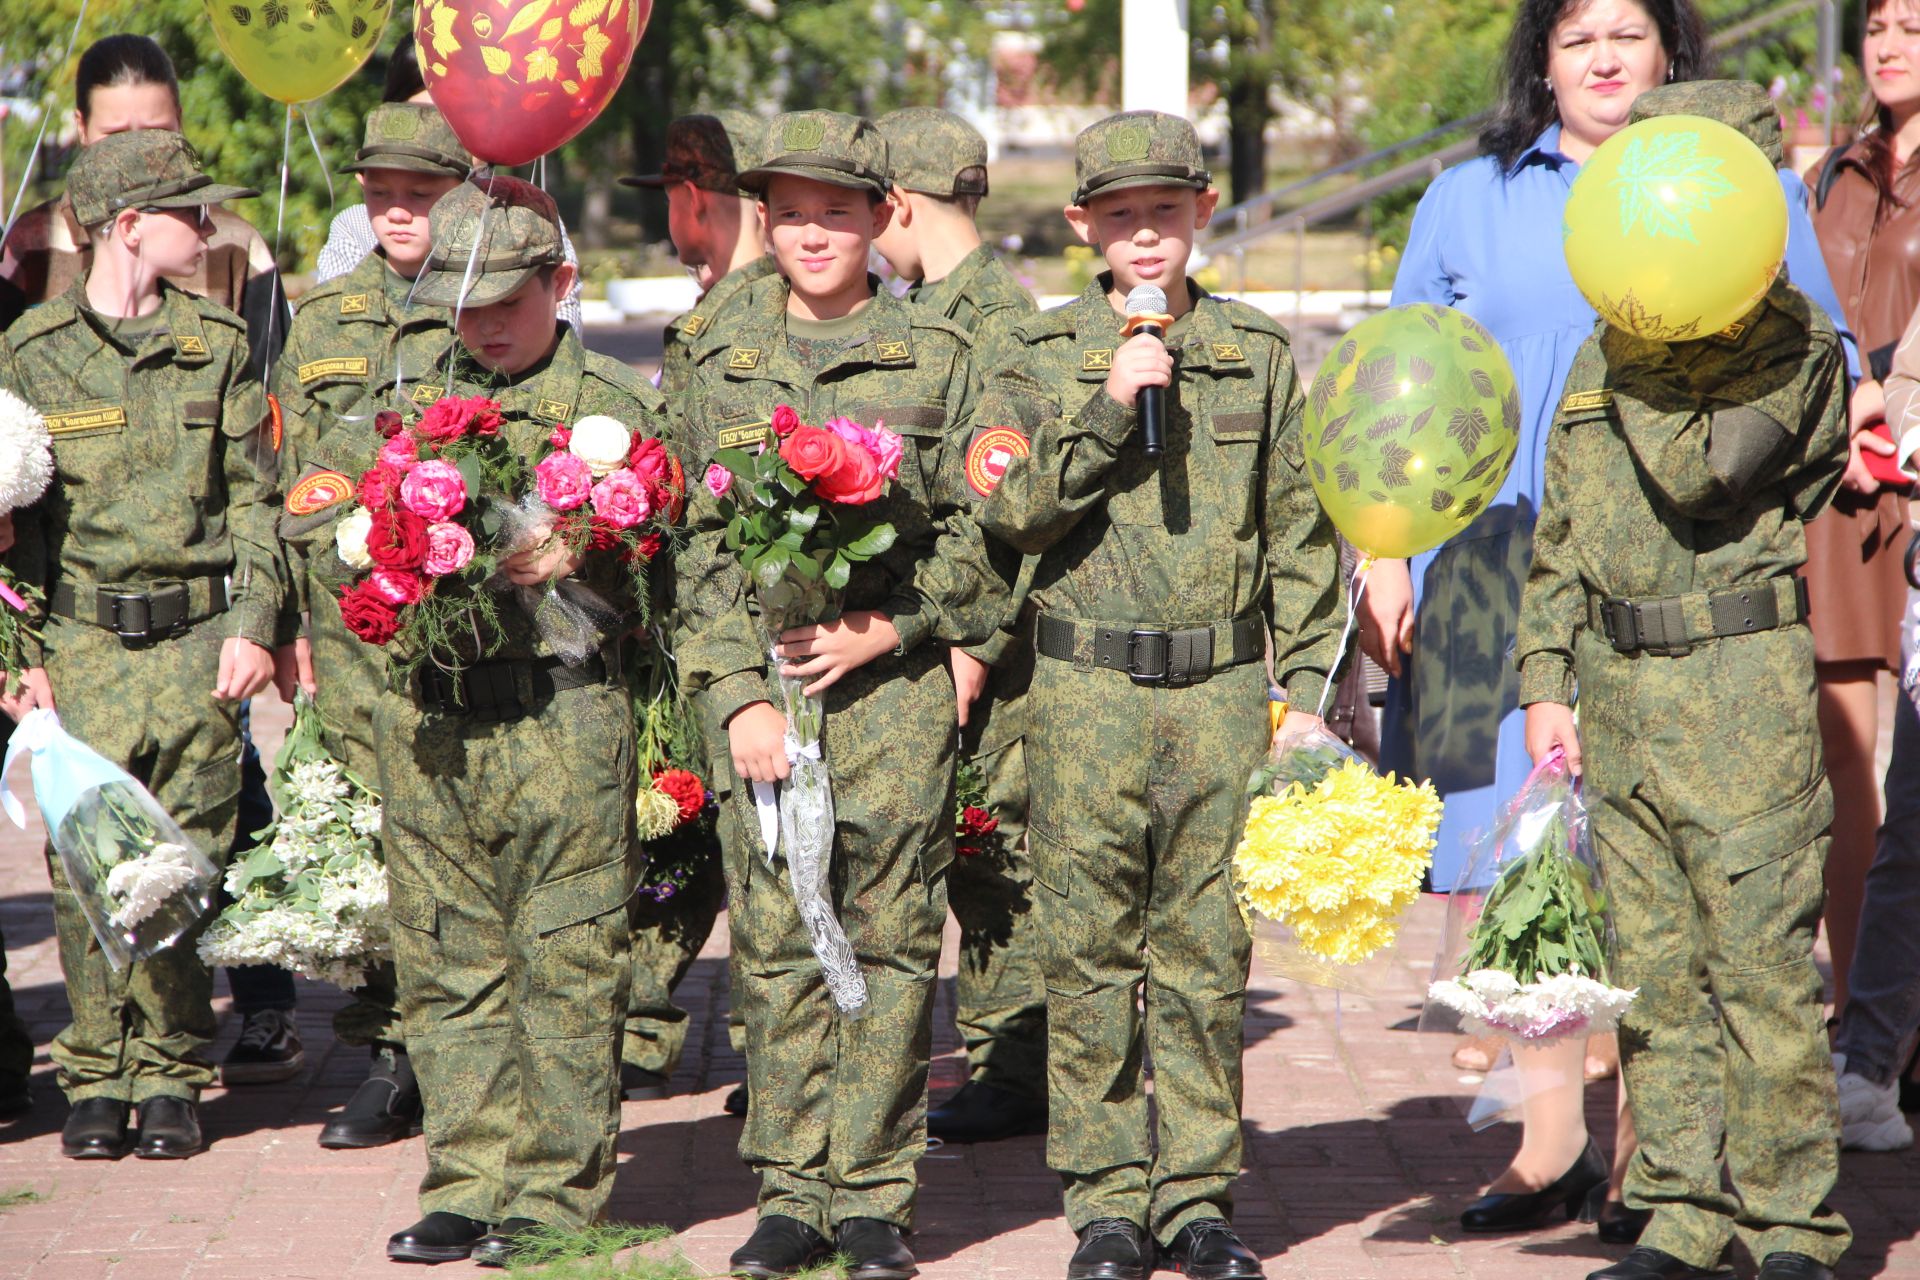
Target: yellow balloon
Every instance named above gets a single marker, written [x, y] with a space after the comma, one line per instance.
[1675, 228]
[297, 50]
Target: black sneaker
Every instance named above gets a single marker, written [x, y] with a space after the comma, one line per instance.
[1111, 1249]
[269, 1050]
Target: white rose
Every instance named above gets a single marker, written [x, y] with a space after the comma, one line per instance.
[602, 443]
[350, 539]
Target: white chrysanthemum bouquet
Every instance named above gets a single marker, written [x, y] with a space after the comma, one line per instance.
[26, 469]
[1527, 938]
[312, 897]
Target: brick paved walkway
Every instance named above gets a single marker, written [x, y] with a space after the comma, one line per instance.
[1358, 1158]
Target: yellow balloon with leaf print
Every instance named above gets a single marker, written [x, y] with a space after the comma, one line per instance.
[1410, 428]
[1676, 228]
[297, 50]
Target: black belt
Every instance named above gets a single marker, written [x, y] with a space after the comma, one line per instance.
[1669, 627]
[500, 691]
[1153, 656]
[157, 611]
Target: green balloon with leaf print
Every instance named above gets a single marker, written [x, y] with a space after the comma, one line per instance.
[1410, 428]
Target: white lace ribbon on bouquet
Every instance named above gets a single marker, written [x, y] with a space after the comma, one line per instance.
[803, 805]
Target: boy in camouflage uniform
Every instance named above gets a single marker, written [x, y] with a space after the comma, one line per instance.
[718, 234]
[156, 553]
[350, 333]
[837, 1122]
[1159, 585]
[1000, 999]
[509, 794]
[1679, 479]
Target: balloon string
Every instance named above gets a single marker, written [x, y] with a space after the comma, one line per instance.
[307, 120]
[466, 277]
[46, 118]
[1356, 587]
[279, 230]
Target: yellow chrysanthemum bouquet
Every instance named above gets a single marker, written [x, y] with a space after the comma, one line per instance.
[1333, 852]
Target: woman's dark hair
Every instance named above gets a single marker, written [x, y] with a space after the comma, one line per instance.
[121, 59]
[1526, 105]
[403, 72]
[1875, 130]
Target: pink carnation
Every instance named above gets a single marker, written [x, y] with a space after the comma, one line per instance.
[621, 499]
[449, 548]
[397, 586]
[400, 452]
[564, 480]
[719, 480]
[434, 491]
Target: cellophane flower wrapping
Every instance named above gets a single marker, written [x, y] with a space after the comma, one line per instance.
[312, 895]
[1528, 938]
[140, 881]
[1332, 856]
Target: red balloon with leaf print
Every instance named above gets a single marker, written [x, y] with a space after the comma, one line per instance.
[518, 78]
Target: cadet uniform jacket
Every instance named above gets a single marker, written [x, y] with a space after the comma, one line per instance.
[683, 332]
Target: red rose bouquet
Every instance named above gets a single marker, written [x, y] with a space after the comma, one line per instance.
[674, 810]
[794, 514]
[448, 499]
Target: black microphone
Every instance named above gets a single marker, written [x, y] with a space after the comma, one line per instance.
[1147, 313]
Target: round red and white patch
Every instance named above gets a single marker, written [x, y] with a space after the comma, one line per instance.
[990, 453]
[317, 492]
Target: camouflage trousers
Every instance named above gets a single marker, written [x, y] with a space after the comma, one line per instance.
[138, 1032]
[1715, 879]
[509, 862]
[667, 937]
[837, 1120]
[1000, 994]
[1138, 804]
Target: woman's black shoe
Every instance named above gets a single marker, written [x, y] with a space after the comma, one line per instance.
[1530, 1210]
[438, 1237]
[97, 1130]
[1615, 1222]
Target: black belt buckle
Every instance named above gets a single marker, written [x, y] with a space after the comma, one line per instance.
[1156, 642]
[132, 613]
[1617, 619]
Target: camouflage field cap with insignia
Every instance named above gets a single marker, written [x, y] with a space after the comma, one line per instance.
[1138, 149]
[413, 136]
[1739, 104]
[141, 169]
[935, 152]
[709, 151]
[518, 229]
[826, 146]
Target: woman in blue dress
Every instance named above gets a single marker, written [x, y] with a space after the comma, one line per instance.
[1487, 239]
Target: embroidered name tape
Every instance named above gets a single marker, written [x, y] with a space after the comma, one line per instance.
[333, 366]
[1582, 401]
[740, 437]
[63, 424]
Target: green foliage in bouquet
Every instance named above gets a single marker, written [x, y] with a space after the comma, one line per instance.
[1544, 915]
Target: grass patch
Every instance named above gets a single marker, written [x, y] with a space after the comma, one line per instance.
[19, 1196]
[592, 1253]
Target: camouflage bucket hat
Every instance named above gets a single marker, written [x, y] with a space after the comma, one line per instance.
[707, 150]
[1138, 149]
[826, 146]
[141, 169]
[412, 136]
[1740, 104]
[935, 152]
[517, 229]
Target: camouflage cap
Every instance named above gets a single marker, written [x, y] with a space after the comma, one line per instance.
[1740, 104]
[709, 151]
[141, 169]
[413, 136]
[935, 152]
[1138, 149]
[826, 146]
[517, 228]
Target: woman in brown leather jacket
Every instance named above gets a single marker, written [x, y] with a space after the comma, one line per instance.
[1867, 215]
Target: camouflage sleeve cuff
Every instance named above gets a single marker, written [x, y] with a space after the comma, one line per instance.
[1107, 418]
[1545, 677]
[256, 620]
[287, 627]
[912, 624]
[741, 689]
[1304, 689]
[994, 650]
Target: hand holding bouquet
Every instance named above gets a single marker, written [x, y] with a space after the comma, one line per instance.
[1527, 936]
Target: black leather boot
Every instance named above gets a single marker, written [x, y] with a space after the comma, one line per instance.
[1111, 1249]
[779, 1246]
[97, 1130]
[385, 1108]
[1208, 1249]
[495, 1249]
[1793, 1266]
[874, 1250]
[169, 1129]
[980, 1112]
[438, 1237]
[1651, 1264]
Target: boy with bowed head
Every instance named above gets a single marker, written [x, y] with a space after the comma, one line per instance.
[155, 551]
[1159, 585]
[510, 923]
